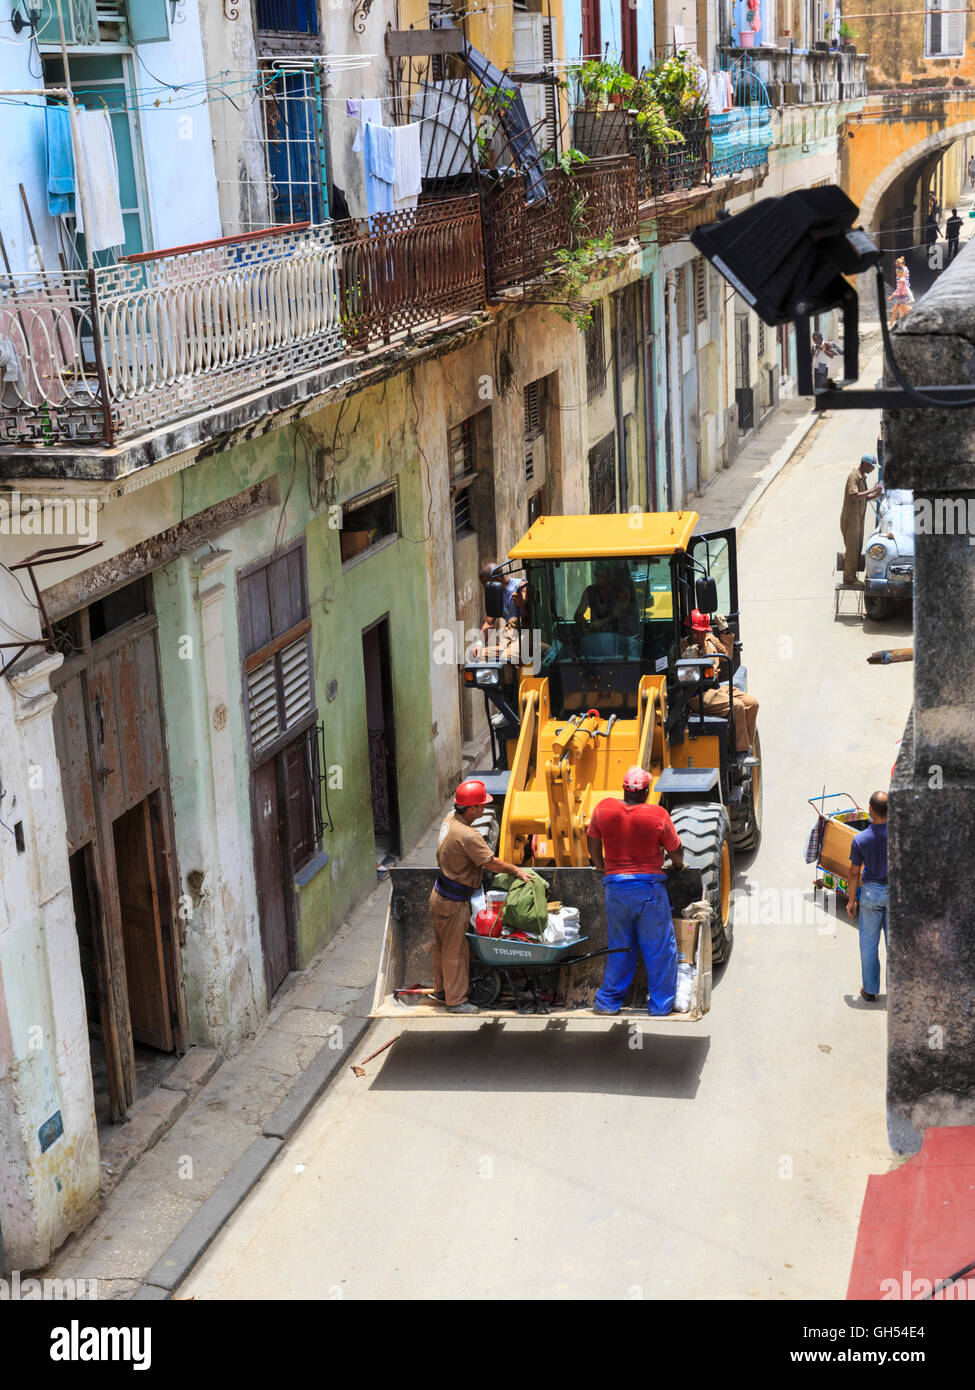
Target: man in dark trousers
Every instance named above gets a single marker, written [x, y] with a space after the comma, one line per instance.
[868, 857]
[627, 841]
[952, 232]
[462, 856]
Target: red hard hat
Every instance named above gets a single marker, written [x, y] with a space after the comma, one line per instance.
[700, 622]
[472, 793]
[636, 779]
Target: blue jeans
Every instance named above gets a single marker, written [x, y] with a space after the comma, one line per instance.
[873, 921]
[638, 919]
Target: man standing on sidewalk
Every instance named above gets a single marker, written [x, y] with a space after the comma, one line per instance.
[627, 840]
[868, 856]
[462, 856]
[856, 495]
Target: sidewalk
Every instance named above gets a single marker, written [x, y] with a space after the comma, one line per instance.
[732, 493]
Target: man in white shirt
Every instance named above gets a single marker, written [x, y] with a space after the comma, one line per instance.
[822, 352]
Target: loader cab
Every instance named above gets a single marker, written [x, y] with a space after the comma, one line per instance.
[601, 624]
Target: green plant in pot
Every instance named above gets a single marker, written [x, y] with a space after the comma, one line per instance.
[848, 36]
[673, 84]
[600, 119]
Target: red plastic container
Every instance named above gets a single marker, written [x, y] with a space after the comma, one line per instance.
[488, 921]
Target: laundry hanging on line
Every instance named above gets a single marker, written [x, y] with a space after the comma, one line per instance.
[407, 177]
[60, 161]
[99, 169]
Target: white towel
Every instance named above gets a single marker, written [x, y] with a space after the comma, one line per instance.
[99, 170]
[406, 154]
[370, 112]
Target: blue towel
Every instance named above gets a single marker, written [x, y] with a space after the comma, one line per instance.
[60, 161]
[379, 160]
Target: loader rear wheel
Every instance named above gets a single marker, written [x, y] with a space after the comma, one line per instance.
[705, 833]
[746, 814]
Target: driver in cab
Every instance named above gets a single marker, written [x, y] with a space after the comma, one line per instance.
[610, 602]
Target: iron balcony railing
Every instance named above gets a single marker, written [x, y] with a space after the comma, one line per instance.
[520, 241]
[106, 355]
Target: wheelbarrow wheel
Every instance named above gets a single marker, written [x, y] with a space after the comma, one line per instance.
[483, 984]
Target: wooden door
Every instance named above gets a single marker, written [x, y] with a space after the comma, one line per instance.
[270, 849]
[142, 929]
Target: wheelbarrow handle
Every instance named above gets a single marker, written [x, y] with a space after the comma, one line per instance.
[591, 955]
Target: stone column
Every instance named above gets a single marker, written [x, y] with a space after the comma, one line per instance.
[931, 982]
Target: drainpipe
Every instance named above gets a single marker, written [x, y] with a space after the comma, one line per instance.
[649, 394]
[621, 460]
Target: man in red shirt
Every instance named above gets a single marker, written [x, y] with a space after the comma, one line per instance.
[627, 840]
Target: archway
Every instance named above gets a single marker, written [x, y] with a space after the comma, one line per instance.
[914, 156]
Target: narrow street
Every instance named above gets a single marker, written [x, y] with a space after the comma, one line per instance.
[724, 1159]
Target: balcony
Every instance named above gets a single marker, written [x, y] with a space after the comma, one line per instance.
[794, 77]
[520, 240]
[101, 357]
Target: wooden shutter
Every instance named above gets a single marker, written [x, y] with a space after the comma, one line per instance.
[592, 43]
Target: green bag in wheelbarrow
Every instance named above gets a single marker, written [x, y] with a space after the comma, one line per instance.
[525, 907]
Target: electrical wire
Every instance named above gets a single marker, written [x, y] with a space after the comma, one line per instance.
[929, 402]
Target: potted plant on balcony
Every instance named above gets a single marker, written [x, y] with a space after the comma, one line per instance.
[848, 38]
[600, 120]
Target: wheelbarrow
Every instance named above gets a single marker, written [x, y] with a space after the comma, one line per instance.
[494, 957]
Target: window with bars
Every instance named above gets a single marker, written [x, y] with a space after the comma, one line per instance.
[295, 164]
[595, 356]
[761, 338]
[626, 313]
[287, 16]
[602, 479]
[944, 29]
[461, 444]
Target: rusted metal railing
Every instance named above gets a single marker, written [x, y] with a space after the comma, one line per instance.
[107, 355]
[520, 241]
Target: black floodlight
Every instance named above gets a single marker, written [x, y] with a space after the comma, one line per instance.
[787, 256]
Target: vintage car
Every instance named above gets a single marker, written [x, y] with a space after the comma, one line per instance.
[889, 552]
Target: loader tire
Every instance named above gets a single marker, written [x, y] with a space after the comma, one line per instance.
[746, 814]
[705, 833]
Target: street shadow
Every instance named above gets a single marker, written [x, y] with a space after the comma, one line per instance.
[552, 1060]
[898, 625]
[854, 1001]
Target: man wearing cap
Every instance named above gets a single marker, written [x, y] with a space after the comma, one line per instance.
[627, 840]
[462, 856]
[856, 495]
[717, 701]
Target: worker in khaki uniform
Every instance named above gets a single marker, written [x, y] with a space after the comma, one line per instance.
[856, 495]
[702, 642]
[462, 856]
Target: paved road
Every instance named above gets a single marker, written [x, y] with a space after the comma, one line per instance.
[725, 1159]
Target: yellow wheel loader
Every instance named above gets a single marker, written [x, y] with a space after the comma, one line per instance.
[593, 681]
[589, 677]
